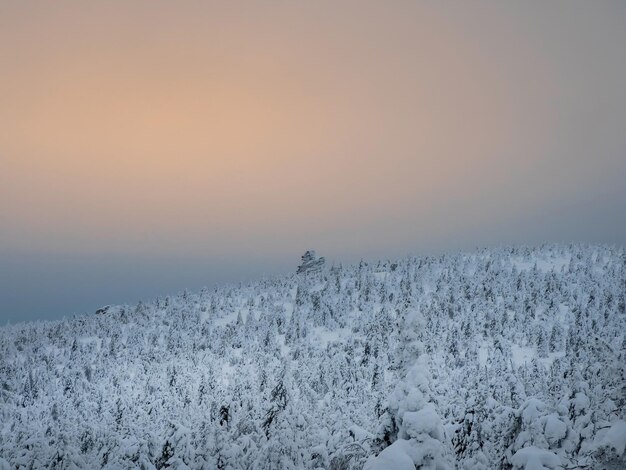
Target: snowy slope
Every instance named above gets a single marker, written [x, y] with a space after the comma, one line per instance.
[502, 358]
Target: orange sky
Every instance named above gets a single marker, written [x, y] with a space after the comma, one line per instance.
[186, 128]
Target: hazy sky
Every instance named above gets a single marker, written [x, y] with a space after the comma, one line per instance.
[149, 146]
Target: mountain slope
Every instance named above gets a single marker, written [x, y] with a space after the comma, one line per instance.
[503, 358]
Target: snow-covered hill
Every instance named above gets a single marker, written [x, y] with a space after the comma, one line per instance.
[507, 358]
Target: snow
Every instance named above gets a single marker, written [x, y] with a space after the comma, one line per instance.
[381, 276]
[90, 341]
[424, 421]
[521, 355]
[616, 437]
[581, 402]
[483, 353]
[288, 307]
[555, 430]
[524, 355]
[543, 265]
[231, 317]
[325, 336]
[395, 457]
[410, 454]
[532, 410]
[533, 458]
[434, 364]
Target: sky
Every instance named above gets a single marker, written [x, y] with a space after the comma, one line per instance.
[152, 146]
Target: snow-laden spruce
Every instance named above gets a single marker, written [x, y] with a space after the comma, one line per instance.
[505, 359]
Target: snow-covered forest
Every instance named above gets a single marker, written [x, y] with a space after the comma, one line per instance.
[496, 359]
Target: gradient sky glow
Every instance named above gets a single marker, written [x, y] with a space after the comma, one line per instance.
[150, 146]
